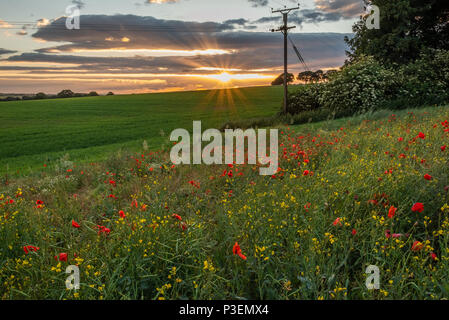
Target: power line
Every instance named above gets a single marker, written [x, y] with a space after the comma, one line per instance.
[298, 53]
[284, 29]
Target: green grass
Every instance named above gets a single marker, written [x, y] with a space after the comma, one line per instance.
[89, 129]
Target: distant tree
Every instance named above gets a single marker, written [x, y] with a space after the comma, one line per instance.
[280, 80]
[318, 76]
[66, 94]
[12, 99]
[93, 94]
[328, 74]
[27, 98]
[40, 95]
[305, 76]
[110, 93]
[311, 77]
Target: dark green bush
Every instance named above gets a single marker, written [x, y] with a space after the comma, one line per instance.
[424, 81]
[305, 98]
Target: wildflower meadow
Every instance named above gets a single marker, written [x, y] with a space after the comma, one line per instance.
[348, 194]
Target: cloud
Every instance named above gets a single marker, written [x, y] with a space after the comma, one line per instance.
[242, 50]
[125, 48]
[4, 24]
[22, 32]
[6, 51]
[79, 3]
[306, 16]
[143, 32]
[346, 8]
[239, 22]
[264, 3]
[325, 11]
[315, 16]
[160, 1]
[258, 3]
[245, 49]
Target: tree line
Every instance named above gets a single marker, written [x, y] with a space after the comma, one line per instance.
[61, 95]
[305, 77]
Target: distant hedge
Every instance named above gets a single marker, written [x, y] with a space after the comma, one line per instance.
[61, 95]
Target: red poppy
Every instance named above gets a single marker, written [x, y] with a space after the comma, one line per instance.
[237, 251]
[75, 224]
[417, 246]
[337, 222]
[354, 232]
[418, 207]
[443, 148]
[39, 202]
[421, 135]
[102, 229]
[306, 173]
[27, 249]
[122, 214]
[63, 256]
[177, 216]
[433, 256]
[388, 235]
[391, 212]
[427, 177]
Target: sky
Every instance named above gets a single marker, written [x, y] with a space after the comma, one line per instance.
[138, 46]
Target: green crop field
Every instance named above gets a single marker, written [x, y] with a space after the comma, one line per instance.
[38, 132]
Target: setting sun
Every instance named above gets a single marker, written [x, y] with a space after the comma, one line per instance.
[224, 77]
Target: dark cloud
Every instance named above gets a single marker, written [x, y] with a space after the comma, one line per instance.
[258, 3]
[136, 32]
[79, 3]
[306, 16]
[239, 22]
[269, 19]
[325, 11]
[314, 16]
[346, 8]
[264, 3]
[143, 32]
[246, 51]
[6, 51]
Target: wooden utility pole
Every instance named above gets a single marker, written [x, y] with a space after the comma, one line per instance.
[284, 29]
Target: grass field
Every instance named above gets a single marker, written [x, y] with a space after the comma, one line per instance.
[33, 133]
[368, 190]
